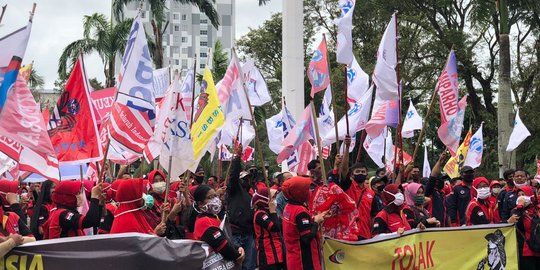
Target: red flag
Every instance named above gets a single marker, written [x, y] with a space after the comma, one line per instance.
[23, 134]
[306, 153]
[317, 72]
[103, 101]
[248, 154]
[75, 135]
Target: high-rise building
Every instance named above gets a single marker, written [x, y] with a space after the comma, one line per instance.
[189, 31]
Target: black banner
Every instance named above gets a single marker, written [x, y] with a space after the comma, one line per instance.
[112, 252]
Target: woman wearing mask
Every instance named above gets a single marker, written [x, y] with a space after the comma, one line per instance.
[523, 214]
[391, 219]
[300, 229]
[129, 216]
[42, 208]
[417, 215]
[268, 242]
[207, 225]
[66, 221]
[110, 206]
[479, 210]
[495, 187]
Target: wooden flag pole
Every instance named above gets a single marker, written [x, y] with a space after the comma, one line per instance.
[361, 145]
[346, 104]
[3, 12]
[193, 93]
[258, 147]
[168, 180]
[318, 139]
[234, 152]
[31, 13]
[336, 119]
[398, 80]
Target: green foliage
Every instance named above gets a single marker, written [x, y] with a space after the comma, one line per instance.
[219, 60]
[95, 84]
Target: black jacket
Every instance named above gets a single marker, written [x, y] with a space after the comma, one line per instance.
[238, 202]
[457, 202]
[437, 200]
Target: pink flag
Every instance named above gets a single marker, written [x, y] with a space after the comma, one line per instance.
[306, 153]
[317, 72]
[385, 113]
[103, 101]
[226, 85]
[248, 154]
[447, 87]
[450, 132]
[302, 131]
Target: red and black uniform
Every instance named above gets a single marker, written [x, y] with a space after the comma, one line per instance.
[207, 230]
[528, 259]
[11, 223]
[363, 198]
[456, 204]
[479, 212]
[270, 251]
[416, 215]
[389, 220]
[300, 235]
[42, 208]
[495, 207]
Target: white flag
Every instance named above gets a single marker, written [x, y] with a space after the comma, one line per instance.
[384, 75]
[375, 148]
[228, 133]
[426, 172]
[357, 82]
[358, 117]
[278, 127]
[351, 147]
[389, 152]
[160, 81]
[519, 134]
[256, 86]
[327, 100]
[344, 45]
[413, 121]
[476, 148]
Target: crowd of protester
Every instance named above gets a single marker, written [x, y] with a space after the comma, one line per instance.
[279, 226]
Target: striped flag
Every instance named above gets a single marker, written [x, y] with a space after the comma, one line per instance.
[317, 71]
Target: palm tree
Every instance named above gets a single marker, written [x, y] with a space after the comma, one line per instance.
[35, 80]
[100, 36]
[157, 9]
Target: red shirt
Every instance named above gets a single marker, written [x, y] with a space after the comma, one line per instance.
[495, 207]
[479, 212]
[363, 199]
[296, 223]
[386, 222]
[52, 228]
[267, 238]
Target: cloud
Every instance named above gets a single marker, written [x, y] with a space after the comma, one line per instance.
[59, 22]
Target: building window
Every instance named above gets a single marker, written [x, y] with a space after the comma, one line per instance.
[177, 62]
[203, 54]
[176, 50]
[204, 21]
[184, 63]
[184, 17]
[184, 39]
[184, 50]
[143, 15]
[202, 66]
[204, 43]
[204, 32]
[175, 16]
[176, 28]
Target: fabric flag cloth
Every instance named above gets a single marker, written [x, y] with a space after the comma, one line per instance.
[224, 153]
[102, 101]
[114, 154]
[519, 134]
[25, 71]
[211, 119]
[447, 87]
[228, 132]
[344, 47]
[317, 71]
[456, 162]
[351, 147]
[300, 133]
[23, 133]
[133, 113]
[389, 152]
[384, 74]
[187, 93]
[358, 117]
[75, 137]
[278, 127]
[426, 170]
[11, 55]
[326, 151]
[375, 148]
[476, 149]
[160, 81]
[248, 154]
[326, 102]
[413, 121]
[306, 153]
[384, 113]
[226, 85]
[256, 85]
[450, 132]
[357, 82]
[537, 176]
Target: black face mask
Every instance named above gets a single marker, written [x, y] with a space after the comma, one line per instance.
[468, 178]
[359, 178]
[199, 179]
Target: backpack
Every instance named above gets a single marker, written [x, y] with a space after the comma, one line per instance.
[534, 241]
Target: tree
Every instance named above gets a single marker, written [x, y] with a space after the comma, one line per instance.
[35, 80]
[220, 62]
[95, 84]
[157, 15]
[101, 36]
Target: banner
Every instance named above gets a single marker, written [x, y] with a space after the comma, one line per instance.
[103, 101]
[456, 162]
[384, 74]
[73, 132]
[474, 247]
[111, 252]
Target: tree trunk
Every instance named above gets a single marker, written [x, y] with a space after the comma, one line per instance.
[505, 108]
[158, 51]
[109, 74]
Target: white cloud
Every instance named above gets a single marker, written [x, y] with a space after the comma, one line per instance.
[59, 22]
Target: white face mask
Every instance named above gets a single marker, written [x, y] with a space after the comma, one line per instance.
[213, 206]
[398, 198]
[526, 199]
[159, 187]
[496, 190]
[483, 193]
[520, 185]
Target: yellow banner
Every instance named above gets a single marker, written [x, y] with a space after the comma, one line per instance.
[209, 117]
[475, 247]
[455, 163]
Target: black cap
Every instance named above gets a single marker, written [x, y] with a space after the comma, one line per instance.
[465, 169]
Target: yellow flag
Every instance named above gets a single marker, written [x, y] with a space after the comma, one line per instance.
[209, 117]
[455, 163]
[25, 71]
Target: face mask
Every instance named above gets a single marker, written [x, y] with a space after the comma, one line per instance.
[398, 198]
[148, 201]
[520, 185]
[496, 190]
[213, 206]
[359, 178]
[483, 193]
[526, 199]
[468, 178]
[159, 187]
[419, 200]
[199, 179]
[380, 188]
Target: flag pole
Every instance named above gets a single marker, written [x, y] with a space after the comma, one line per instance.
[234, 152]
[3, 12]
[346, 104]
[257, 141]
[318, 140]
[193, 92]
[334, 105]
[31, 13]
[398, 80]
[361, 145]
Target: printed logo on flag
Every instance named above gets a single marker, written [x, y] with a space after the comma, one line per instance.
[476, 145]
[351, 75]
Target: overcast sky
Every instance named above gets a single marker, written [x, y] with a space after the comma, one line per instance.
[59, 22]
